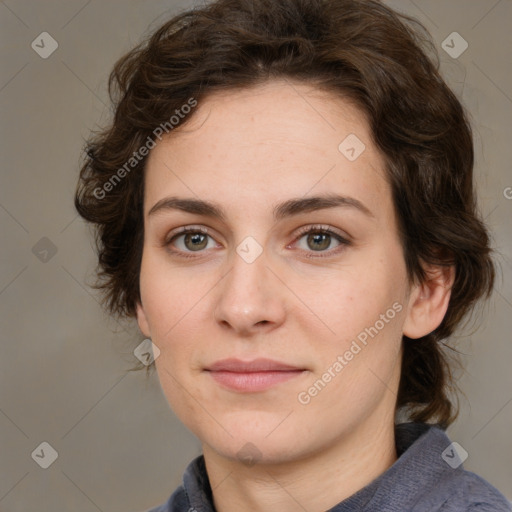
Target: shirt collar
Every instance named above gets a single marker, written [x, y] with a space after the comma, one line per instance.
[418, 446]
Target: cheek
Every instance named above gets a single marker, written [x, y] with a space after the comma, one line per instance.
[353, 298]
[364, 308]
[177, 310]
[167, 294]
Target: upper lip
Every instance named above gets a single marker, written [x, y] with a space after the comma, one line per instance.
[256, 365]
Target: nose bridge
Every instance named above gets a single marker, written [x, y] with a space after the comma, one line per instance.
[249, 295]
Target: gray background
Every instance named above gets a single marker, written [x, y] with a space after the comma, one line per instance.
[64, 363]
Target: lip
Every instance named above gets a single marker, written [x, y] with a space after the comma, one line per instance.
[256, 365]
[252, 376]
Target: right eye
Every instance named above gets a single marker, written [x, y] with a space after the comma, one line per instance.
[189, 240]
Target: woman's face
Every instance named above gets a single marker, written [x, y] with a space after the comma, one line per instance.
[253, 284]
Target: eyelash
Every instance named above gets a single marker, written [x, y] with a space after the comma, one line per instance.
[319, 229]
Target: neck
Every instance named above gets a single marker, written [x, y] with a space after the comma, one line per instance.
[315, 483]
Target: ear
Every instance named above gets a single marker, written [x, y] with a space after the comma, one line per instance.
[428, 301]
[143, 321]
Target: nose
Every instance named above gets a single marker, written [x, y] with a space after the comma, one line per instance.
[250, 299]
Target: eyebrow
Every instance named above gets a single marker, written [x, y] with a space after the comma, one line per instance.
[288, 208]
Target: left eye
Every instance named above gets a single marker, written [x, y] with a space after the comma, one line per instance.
[319, 240]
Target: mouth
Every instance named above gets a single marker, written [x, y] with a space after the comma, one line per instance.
[252, 376]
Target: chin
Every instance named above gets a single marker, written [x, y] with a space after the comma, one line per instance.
[261, 443]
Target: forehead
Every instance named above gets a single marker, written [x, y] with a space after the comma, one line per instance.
[255, 147]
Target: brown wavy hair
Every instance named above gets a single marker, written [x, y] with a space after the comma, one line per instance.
[383, 61]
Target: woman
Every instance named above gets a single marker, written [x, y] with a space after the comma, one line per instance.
[284, 201]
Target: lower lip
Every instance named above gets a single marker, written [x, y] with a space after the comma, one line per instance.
[253, 381]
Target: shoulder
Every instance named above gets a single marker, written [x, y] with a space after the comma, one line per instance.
[430, 472]
[193, 495]
[177, 502]
[460, 490]
[480, 495]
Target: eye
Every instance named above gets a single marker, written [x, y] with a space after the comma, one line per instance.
[319, 239]
[190, 239]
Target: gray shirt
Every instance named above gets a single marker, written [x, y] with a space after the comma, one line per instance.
[428, 476]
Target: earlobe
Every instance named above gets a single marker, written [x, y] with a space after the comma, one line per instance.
[142, 321]
[428, 302]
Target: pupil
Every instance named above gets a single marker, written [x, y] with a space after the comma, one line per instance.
[319, 237]
[196, 240]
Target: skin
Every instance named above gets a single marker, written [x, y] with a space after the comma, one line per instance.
[248, 150]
